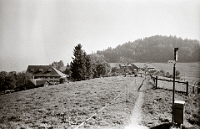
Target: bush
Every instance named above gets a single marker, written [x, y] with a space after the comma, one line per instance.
[168, 75]
[177, 73]
[114, 69]
[161, 73]
[114, 74]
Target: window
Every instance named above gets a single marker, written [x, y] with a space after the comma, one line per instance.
[32, 70]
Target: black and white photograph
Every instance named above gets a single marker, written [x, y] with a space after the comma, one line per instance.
[99, 64]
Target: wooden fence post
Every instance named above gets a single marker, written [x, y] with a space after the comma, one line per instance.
[156, 82]
[187, 87]
[193, 89]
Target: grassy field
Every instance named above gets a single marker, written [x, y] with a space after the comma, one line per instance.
[188, 71]
[68, 105]
[158, 102]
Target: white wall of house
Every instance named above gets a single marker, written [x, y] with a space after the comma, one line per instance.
[51, 79]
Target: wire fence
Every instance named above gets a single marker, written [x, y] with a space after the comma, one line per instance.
[124, 94]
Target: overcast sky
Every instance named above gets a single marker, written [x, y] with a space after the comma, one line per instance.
[43, 31]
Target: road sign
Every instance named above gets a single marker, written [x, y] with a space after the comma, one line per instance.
[176, 54]
[171, 61]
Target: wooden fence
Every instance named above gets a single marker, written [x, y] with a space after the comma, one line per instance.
[180, 86]
[195, 89]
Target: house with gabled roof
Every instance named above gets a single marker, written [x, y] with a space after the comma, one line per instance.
[36, 73]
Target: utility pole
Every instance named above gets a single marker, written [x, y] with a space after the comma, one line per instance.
[174, 74]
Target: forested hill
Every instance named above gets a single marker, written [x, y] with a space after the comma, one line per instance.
[154, 49]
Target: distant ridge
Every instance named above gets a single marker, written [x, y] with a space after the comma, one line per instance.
[154, 49]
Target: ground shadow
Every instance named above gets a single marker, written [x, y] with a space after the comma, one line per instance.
[169, 125]
[162, 126]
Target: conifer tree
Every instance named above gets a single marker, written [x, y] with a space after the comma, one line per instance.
[83, 65]
[88, 65]
[78, 63]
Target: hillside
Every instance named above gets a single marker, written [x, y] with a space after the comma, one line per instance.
[154, 49]
[68, 105]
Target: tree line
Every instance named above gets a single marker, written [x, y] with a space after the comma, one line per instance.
[12, 80]
[154, 49]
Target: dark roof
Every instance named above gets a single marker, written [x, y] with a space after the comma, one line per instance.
[128, 65]
[134, 66]
[143, 65]
[125, 65]
[44, 71]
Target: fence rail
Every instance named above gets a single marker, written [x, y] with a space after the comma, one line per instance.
[195, 88]
[179, 88]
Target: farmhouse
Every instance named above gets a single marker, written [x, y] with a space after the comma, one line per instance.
[144, 66]
[43, 74]
[131, 67]
[150, 67]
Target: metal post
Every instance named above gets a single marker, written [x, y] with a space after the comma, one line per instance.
[126, 92]
[174, 74]
[187, 84]
[174, 69]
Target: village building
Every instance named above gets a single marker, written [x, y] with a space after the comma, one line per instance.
[128, 68]
[41, 75]
[131, 67]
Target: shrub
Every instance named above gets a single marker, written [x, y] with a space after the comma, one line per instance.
[114, 69]
[168, 75]
[177, 73]
[114, 74]
[161, 72]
